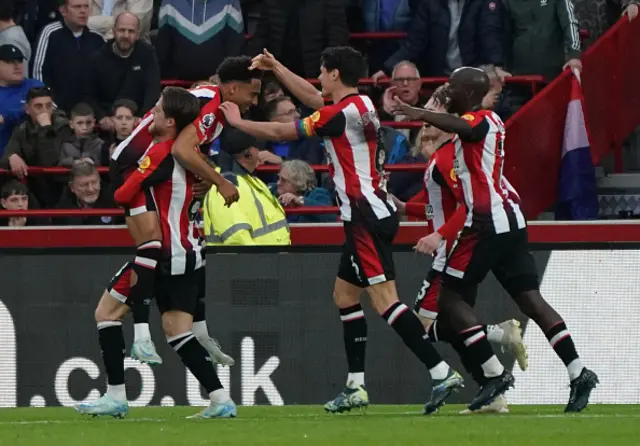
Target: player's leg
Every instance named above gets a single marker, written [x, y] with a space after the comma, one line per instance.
[109, 313]
[374, 256]
[177, 297]
[346, 295]
[144, 227]
[519, 277]
[200, 329]
[507, 334]
[467, 265]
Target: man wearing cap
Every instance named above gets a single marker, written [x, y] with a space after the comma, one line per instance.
[257, 218]
[13, 91]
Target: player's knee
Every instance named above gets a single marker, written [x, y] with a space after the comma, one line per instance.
[383, 295]
[110, 309]
[346, 295]
[426, 322]
[175, 323]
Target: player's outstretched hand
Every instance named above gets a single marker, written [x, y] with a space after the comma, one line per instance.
[403, 109]
[229, 192]
[231, 112]
[265, 61]
[428, 244]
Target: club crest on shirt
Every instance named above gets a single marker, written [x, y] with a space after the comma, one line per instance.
[207, 120]
[315, 117]
[468, 117]
[144, 164]
[370, 117]
[452, 175]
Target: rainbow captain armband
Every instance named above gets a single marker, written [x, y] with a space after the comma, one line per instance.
[304, 127]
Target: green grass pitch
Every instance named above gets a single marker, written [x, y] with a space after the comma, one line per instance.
[309, 425]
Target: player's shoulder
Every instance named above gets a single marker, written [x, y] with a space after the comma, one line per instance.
[478, 115]
[206, 91]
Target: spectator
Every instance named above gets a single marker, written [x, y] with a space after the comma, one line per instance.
[34, 15]
[124, 120]
[386, 16]
[104, 12]
[282, 109]
[83, 143]
[10, 32]
[14, 196]
[86, 192]
[445, 35]
[125, 68]
[194, 37]
[13, 91]
[297, 31]
[296, 187]
[544, 39]
[37, 142]
[405, 78]
[257, 218]
[63, 53]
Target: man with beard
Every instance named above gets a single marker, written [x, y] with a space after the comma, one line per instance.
[125, 68]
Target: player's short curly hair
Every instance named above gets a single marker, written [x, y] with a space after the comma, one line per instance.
[236, 69]
[348, 61]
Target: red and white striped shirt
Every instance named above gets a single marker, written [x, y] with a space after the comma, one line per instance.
[442, 201]
[209, 125]
[439, 199]
[351, 132]
[170, 185]
[478, 165]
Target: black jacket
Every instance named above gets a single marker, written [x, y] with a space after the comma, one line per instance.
[480, 36]
[301, 34]
[136, 77]
[62, 62]
[33, 15]
[105, 201]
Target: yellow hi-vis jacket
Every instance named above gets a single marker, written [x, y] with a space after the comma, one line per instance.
[257, 218]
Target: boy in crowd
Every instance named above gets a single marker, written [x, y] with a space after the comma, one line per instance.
[84, 143]
[124, 118]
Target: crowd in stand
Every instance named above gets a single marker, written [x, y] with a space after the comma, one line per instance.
[77, 75]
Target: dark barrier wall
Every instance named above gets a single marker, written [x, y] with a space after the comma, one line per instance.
[273, 312]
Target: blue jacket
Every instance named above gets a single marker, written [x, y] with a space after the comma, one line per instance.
[316, 197]
[12, 100]
[480, 36]
[400, 21]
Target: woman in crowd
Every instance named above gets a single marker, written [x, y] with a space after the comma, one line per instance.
[297, 186]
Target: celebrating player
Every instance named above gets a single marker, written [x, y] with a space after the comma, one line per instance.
[494, 239]
[237, 84]
[439, 200]
[176, 109]
[350, 128]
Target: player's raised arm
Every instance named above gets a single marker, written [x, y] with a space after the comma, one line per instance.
[186, 154]
[274, 131]
[299, 87]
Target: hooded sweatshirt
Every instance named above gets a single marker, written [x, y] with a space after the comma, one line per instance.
[194, 36]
